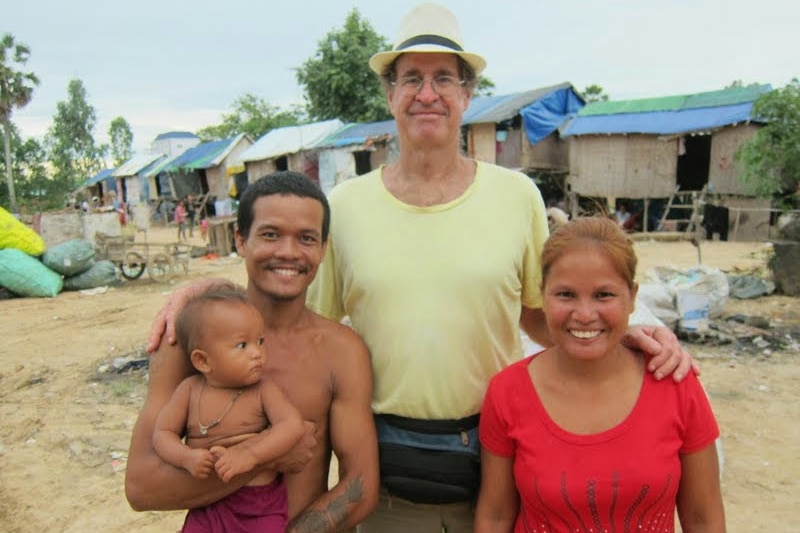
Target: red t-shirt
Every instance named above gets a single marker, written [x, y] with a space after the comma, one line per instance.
[623, 479]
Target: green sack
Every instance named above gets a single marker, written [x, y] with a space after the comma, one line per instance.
[27, 276]
[100, 274]
[70, 258]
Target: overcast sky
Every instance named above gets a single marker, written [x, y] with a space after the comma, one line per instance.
[178, 65]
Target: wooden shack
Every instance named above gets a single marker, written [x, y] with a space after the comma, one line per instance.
[654, 149]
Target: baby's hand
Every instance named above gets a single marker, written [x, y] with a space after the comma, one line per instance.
[231, 462]
[199, 463]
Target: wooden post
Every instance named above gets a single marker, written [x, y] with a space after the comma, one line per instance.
[736, 223]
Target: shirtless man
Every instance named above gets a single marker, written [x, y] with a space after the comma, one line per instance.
[322, 366]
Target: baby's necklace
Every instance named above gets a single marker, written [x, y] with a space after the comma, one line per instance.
[205, 428]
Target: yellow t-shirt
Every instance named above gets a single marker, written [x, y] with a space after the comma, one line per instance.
[435, 292]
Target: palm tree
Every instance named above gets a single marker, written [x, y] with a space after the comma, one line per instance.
[16, 90]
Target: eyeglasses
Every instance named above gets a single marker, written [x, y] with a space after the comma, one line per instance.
[441, 85]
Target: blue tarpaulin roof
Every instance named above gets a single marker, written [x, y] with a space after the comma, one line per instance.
[660, 122]
[669, 115]
[106, 174]
[543, 110]
[202, 156]
[546, 115]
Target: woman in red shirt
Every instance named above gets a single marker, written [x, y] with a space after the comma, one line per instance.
[580, 437]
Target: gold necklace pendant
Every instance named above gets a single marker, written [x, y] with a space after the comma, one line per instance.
[204, 429]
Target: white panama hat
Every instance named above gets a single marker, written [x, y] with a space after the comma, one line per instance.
[428, 28]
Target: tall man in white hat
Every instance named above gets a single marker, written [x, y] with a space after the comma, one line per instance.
[435, 259]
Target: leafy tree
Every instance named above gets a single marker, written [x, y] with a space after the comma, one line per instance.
[337, 80]
[70, 144]
[121, 139]
[771, 158]
[485, 86]
[16, 91]
[27, 162]
[253, 116]
[594, 93]
[736, 84]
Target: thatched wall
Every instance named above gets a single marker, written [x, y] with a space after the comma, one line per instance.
[723, 170]
[514, 151]
[622, 166]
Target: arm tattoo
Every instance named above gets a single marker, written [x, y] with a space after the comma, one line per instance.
[330, 519]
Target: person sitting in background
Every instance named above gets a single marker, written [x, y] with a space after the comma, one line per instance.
[622, 214]
[556, 217]
[580, 436]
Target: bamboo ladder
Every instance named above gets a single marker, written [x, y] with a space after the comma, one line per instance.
[695, 218]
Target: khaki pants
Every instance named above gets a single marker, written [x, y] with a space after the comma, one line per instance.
[396, 515]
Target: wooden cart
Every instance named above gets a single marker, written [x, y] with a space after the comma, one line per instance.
[161, 260]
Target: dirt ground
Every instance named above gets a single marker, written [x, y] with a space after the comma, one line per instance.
[66, 423]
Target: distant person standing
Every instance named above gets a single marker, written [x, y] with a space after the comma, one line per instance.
[180, 219]
[204, 229]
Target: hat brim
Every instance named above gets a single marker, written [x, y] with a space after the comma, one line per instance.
[381, 60]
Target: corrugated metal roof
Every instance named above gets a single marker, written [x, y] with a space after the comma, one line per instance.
[176, 135]
[496, 109]
[97, 178]
[290, 140]
[351, 134]
[207, 155]
[154, 168]
[670, 115]
[724, 97]
[482, 109]
[132, 166]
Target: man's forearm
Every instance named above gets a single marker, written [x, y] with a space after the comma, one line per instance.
[163, 487]
[154, 485]
[343, 507]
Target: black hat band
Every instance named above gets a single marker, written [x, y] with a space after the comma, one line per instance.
[429, 39]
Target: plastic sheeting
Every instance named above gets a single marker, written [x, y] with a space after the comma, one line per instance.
[660, 122]
[546, 115]
[289, 140]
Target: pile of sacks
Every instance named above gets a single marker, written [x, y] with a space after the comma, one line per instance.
[29, 268]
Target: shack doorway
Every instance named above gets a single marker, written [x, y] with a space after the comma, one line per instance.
[693, 161]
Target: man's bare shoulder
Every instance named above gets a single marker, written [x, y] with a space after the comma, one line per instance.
[337, 338]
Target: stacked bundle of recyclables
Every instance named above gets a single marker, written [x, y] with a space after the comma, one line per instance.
[29, 268]
[686, 298]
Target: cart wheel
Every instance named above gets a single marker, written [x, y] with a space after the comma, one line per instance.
[133, 266]
[160, 267]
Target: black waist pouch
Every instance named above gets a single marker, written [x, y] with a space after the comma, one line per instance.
[429, 461]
